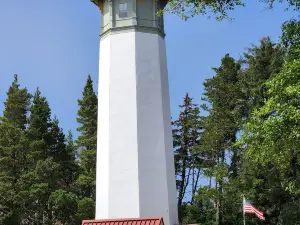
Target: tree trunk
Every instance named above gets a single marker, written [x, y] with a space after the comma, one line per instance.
[217, 205]
[181, 189]
[195, 185]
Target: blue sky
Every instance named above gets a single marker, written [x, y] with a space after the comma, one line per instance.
[55, 44]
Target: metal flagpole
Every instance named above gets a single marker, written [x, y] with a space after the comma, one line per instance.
[244, 210]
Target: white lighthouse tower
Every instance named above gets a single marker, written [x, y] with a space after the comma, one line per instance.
[135, 162]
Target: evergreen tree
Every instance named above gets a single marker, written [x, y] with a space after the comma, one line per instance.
[69, 166]
[41, 182]
[87, 140]
[227, 103]
[85, 184]
[272, 140]
[12, 152]
[51, 163]
[86, 209]
[57, 142]
[262, 63]
[17, 105]
[63, 154]
[186, 130]
[85, 187]
[38, 130]
[232, 94]
[46, 159]
[226, 107]
[87, 117]
[51, 174]
[64, 207]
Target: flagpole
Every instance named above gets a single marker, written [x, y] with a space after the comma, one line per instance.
[244, 210]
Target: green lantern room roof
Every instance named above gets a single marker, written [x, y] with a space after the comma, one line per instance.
[121, 15]
[99, 3]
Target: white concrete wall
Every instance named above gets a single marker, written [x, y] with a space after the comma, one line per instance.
[171, 180]
[135, 165]
[102, 173]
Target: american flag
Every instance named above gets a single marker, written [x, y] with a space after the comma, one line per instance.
[249, 208]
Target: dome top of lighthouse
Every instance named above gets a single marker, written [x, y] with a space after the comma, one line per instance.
[122, 15]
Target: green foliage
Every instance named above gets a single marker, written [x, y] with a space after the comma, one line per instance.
[256, 96]
[64, 206]
[226, 108]
[88, 162]
[39, 120]
[63, 153]
[87, 117]
[187, 9]
[218, 8]
[272, 135]
[69, 166]
[38, 130]
[224, 94]
[17, 105]
[86, 209]
[42, 182]
[262, 63]
[37, 186]
[291, 38]
[271, 165]
[201, 212]
[186, 132]
[12, 152]
[85, 185]
[37, 164]
[57, 142]
[290, 214]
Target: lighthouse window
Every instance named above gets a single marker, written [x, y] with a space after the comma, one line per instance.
[123, 10]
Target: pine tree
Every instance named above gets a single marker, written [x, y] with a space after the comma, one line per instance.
[87, 117]
[57, 142]
[47, 180]
[69, 166]
[86, 209]
[262, 63]
[87, 140]
[186, 130]
[224, 94]
[59, 152]
[55, 172]
[226, 107]
[12, 152]
[38, 130]
[17, 105]
[271, 165]
[62, 152]
[45, 156]
[64, 207]
[85, 184]
[51, 162]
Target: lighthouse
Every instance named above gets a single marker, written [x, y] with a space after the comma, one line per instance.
[135, 161]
